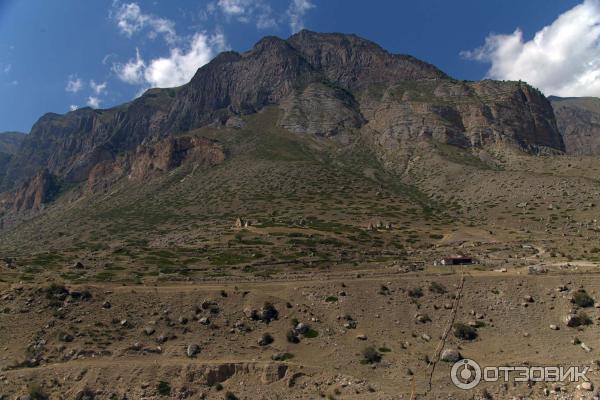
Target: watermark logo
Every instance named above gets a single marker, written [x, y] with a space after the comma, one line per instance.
[466, 374]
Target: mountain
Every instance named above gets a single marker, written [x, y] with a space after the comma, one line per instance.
[578, 119]
[325, 85]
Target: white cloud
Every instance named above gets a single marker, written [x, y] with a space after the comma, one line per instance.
[183, 60]
[562, 59]
[176, 69]
[73, 107]
[247, 11]
[180, 66]
[131, 72]
[6, 68]
[296, 11]
[130, 19]
[98, 88]
[74, 84]
[93, 102]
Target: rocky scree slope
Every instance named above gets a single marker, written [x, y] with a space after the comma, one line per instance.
[330, 85]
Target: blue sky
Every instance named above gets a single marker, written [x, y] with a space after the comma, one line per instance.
[59, 54]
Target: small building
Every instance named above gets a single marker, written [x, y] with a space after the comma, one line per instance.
[456, 260]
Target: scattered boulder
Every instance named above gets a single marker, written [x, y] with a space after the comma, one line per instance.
[585, 347]
[572, 320]
[301, 328]
[149, 330]
[192, 350]
[451, 355]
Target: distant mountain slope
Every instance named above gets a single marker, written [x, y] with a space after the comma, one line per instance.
[9, 145]
[578, 119]
[325, 85]
[10, 142]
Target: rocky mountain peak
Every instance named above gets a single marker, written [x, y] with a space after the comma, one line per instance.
[329, 85]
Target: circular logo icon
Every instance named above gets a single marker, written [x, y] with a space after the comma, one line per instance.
[465, 374]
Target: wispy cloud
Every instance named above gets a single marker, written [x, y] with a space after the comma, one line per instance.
[257, 12]
[98, 88]
[132, 71]
[296, 11]
[74, 84]
[6, 68]
[130, 19]
[563, 58]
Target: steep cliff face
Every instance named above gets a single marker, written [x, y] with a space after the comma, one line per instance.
[31, 194]
[70, 145]
[171, 153]
[467, 114]
[578, 120]
[320, 110]
[325, 85]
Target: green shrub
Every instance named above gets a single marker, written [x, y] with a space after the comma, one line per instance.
[163, 388]
[464, 331]
[311, 334]
[36, 393]
[582, 299]
[438, 288]
[415, 293]
[370, 355]
[230, 396]
[584, 319]
[266, 339]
